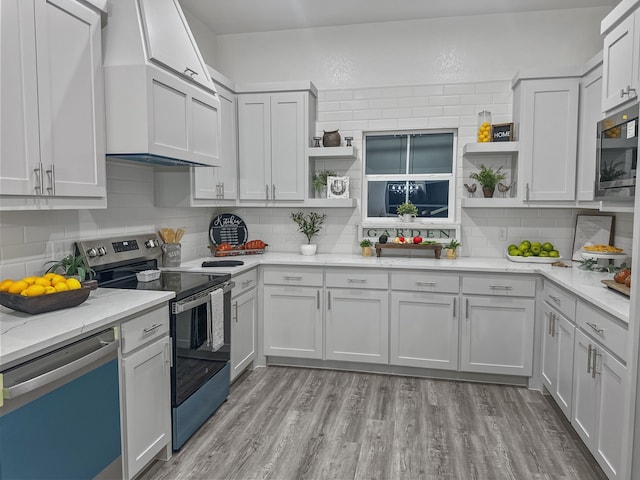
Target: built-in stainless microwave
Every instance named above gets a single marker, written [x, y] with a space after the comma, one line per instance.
[617, 155]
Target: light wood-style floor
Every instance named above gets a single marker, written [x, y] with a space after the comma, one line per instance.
[288, 423]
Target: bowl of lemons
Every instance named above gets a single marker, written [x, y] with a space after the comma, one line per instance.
[47, 293]
[533, 252]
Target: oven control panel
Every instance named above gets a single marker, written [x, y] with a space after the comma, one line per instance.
[101, 252]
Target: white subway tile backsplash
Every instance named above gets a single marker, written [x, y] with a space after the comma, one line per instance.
[337, 95]
[460, 89]
[383, 103]
[428, 90]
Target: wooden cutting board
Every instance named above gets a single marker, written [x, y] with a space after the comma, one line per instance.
[618, 287]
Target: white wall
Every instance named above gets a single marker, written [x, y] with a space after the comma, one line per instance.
[460, 49]
[205, 38]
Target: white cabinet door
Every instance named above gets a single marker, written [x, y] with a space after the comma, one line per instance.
[19, 136]
[243, 331]
[548, 133]
[590, 114]
[357, 325]
[254, 146]
[169, 40]
[289, 141]
[292, 321]
[557, 358]
[620, 65]
[424, 330]
[147, 402]
[497, 335]
[612, 386]
[205, 128]
[585, 391]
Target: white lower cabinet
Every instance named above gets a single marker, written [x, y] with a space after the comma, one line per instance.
[357, 325]
[424, 330]
[497, 335]
[244, 318]
[600, 386]
[293, 321]
[557, 358]
[146, 389]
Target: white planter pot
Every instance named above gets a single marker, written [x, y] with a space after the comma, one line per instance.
[308, 249]
[407, 217]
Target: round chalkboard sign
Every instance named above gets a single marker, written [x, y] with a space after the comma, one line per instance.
[228, 228]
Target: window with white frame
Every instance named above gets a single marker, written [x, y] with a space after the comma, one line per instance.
[410, 166]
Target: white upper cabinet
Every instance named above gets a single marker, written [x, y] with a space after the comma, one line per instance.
[169, 40]
[52, 137]
[546, 117]
[621, 60]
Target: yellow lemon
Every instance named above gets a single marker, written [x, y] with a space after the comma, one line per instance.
[73, 283]
[58, 279]
[33, 291]
[5, 284]
[49, 275]
[42, 281]
[61, 287]
[29, 280]
[17, 287]
[49, 289]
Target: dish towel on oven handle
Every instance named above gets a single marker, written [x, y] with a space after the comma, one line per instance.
[215, 322]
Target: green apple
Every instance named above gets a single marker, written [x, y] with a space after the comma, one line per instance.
[547, 246]
[554, 253]
[536, 249]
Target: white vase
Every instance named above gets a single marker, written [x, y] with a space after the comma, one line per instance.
[407, 217]
[308, 249]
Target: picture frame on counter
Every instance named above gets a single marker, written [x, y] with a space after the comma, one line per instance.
[337, 187]
[592, 229]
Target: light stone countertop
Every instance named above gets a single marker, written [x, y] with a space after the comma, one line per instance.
[584, 284]
[24, 336]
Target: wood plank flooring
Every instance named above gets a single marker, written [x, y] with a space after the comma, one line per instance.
[286, 423]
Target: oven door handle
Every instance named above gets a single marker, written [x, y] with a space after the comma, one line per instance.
[183, 306]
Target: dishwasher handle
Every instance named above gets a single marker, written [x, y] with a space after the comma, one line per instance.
[51, 376]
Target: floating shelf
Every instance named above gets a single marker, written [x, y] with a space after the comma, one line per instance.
[330, 202]
[490, 148]
[481, 202]
[332, 152]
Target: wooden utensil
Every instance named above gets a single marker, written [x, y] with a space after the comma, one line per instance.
[161, 235]
[179, 235]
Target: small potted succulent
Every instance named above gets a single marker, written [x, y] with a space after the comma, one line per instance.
[451, 248]
[488, 178]
[407, 211]
[320, 182]
[309, 225]
[71, 266]
[367, 247]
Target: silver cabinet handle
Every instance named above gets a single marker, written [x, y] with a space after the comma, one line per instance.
[328, 300]
[273, 191]
[595, 327]
[554, 298]
[627, 91]
[221, 189]
[527, 190]
[426, 284]
[266, 191]
[39, 181]
[167, 354]
[356, 280]
[235, 308]
[594, 362]
[152, 328]
[589, 351]
[549, 327]
[501, 287]
[318, 299]
[190, 72]
[52, 180]
[292, 277]
[553, 324]
[454, 307]
[246, 283]
[466, 313]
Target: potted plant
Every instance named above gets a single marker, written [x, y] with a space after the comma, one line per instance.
[407, 211]
[488, 178]
[451, 248]
[367, 247]
[71, 266]
[320, 182]
[309, 225]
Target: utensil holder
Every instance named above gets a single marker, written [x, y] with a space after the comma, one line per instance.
[171, 254]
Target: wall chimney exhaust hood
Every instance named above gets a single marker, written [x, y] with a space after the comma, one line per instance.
[161, 104]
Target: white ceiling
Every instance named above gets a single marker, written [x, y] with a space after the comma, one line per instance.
[245, 16]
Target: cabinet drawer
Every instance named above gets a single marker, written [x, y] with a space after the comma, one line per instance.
[310, 277]
[425, 282]
[604, 328]
[357, 278]
[560, 299]
[144, 328]
[505, 285]
[244, 281]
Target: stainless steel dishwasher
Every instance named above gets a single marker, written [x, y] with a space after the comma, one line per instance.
[61, 413]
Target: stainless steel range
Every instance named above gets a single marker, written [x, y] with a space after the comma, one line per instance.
[200, 323]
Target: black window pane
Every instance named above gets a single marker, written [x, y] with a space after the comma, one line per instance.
[431, 153]
[386, 154]
[431, 198]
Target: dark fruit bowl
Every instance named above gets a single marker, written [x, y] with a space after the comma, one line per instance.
[47, 303]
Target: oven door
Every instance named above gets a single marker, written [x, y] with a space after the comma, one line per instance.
[196, 358]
